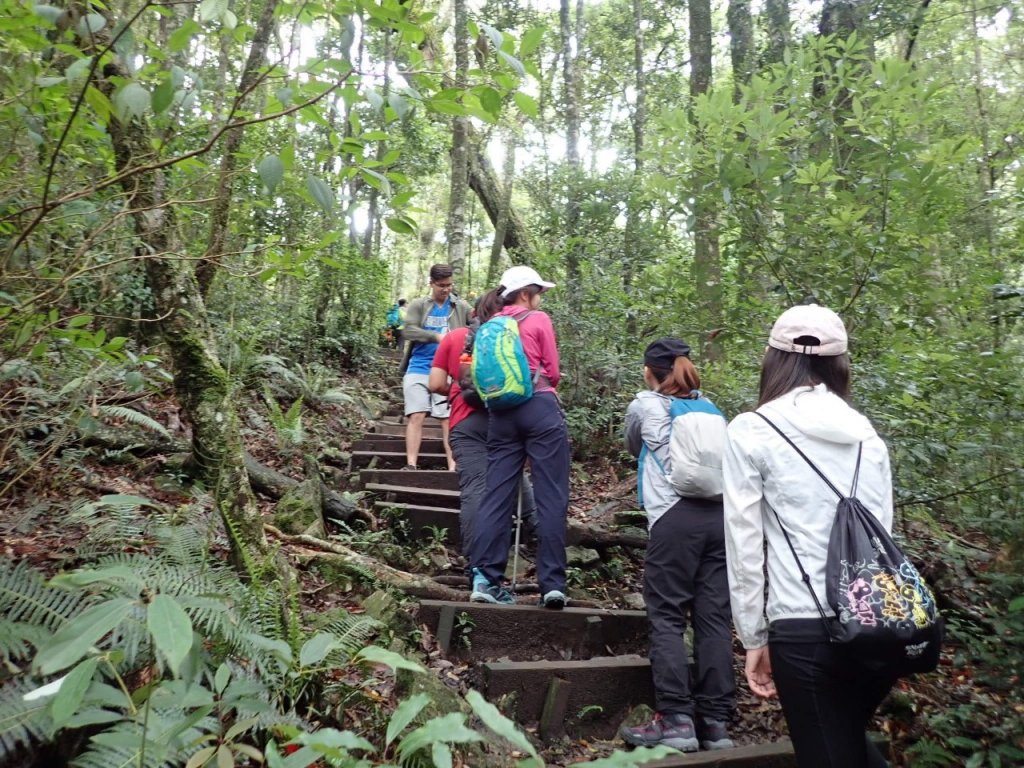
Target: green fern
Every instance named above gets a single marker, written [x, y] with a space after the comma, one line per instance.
[132, 417]
[22, 723]
[28, 600]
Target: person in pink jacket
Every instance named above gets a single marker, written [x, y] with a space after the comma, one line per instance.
[536, 430]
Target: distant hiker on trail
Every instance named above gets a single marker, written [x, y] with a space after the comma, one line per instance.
[679, 437]
[427, 320]
[828, 694]
[396, 322]
[467, 424]
[533, 429]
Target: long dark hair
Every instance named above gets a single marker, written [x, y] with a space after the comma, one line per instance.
[782, 372]
[488, 305]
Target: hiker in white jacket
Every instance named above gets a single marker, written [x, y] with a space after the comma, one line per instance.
[826, 697]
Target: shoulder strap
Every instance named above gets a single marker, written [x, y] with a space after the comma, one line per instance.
[812, 465]
[789, 542]
[523, 315]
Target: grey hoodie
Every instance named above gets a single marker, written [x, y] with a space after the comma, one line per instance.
[763, 472]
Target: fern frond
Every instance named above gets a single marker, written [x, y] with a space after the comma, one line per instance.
[27, 599]
[121, 746]
[22, 723]
[353, 632]
[133, 417]
[18, 640]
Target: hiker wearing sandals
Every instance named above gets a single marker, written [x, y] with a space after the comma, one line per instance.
[468, 422]
[427, 321]
[678, 436]
[828, 693]
[531, 425]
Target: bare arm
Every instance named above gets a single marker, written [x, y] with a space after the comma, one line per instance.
[437, 382]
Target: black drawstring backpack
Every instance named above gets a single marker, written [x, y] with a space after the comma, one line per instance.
[883, 610]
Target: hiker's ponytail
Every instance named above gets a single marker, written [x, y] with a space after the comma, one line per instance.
[679, 380]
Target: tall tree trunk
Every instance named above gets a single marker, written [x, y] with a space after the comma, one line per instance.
[201, 384]
[633, 244]
[707, 269]
[741, 44]
[373, 204]
[987, 171]
[484, 182]
[207, 267]
[456, 228]
[570, 102]
[777, 23]
[501, 225]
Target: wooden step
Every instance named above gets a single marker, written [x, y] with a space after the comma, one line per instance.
[437, 479]
[374, 442]
[523, 632]
[399, 429]
[776, 754]
[410, 495]
[587, 699]
[396, 459]
[419, 516]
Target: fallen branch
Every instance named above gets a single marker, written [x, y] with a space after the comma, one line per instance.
[601, 538]
[263, 479]
[360, 565]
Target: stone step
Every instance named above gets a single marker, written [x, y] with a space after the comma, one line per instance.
[395, 443]
[399, 429]
[396, 459]
[404, 494]
[436, 479]
[587, 699]
[419, 516]
[470, 631]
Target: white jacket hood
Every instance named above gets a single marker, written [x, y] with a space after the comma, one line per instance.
[819, 413]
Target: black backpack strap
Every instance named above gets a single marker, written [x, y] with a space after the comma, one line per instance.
[812, 465]
[539, 373]
[804, 576]
[856, 474]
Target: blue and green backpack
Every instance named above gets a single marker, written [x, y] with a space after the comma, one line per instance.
[500, 370]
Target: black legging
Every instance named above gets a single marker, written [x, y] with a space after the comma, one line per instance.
[828, 698]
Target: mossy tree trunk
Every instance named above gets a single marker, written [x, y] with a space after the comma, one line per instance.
[201, 384]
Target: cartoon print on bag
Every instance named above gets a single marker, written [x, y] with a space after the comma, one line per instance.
[857, 593]
[893, 606]
[917, 594]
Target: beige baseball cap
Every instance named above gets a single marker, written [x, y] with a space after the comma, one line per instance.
[809, 329]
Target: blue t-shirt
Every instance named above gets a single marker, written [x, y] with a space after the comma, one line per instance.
[436, 321]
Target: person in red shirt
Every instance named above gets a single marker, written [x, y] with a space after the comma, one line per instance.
[467, 425]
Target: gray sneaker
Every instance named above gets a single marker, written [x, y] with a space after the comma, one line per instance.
[713, 734]
[674, 731]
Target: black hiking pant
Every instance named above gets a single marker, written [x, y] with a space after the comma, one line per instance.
[685, 577]
[828, 698]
